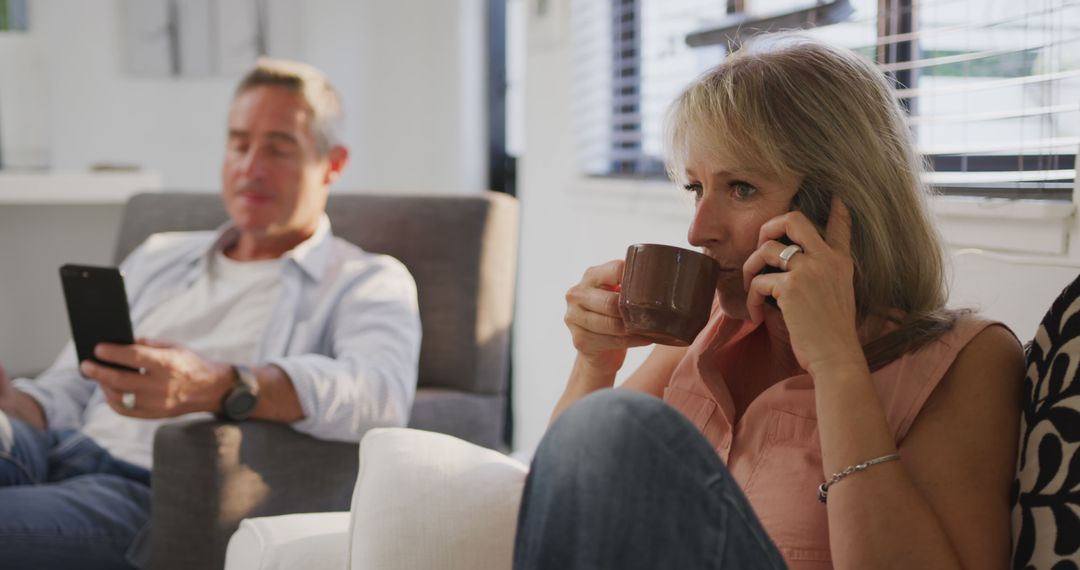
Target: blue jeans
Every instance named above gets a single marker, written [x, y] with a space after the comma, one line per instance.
[67, 503]
[624, 481]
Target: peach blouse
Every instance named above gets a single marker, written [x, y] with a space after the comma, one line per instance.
[773, 450]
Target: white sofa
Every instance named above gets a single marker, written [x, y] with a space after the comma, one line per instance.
[422, 500]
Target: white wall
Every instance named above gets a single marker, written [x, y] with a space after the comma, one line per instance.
[570, 223]
[98, 114]
[411, 74]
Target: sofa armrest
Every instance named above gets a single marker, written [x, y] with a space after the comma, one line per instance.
[314, 541]
[430, 500]
[208, 475]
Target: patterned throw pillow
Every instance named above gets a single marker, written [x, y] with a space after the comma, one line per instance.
[1046, 493]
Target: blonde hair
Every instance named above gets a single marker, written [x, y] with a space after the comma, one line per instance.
[793, 106]
[312, 85]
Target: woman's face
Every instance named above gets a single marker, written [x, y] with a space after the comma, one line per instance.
[732, 202]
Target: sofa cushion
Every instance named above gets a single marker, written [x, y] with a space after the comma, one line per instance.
[429, 500]
[1046, 493]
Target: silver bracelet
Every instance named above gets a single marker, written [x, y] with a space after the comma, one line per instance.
[823, 489]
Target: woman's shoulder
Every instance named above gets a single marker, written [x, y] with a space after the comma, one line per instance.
[970, 325]
[973, 355]
[981, 361]
[965, 328]
[989, 350]
[972, 343]
[982, 387]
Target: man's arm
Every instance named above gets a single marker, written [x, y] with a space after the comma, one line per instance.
[175, 380]
[366, 374]
[362, 376]
[278, 401]
[59, 393]
[19, 404]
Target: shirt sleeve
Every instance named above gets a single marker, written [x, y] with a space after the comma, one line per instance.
[368, 376]
[61, 391]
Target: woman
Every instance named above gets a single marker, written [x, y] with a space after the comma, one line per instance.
[859, 375]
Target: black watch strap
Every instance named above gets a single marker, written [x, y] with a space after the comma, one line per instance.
[246, 376]
[241, 400]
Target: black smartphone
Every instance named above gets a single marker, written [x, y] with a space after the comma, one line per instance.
[97, 309]
[816, 210]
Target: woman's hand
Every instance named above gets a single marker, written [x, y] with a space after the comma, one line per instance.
[816, 294]
[592, 315]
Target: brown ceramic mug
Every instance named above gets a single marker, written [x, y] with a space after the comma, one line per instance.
[667, 292]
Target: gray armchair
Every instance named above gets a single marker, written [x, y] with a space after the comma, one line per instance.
[462, 251]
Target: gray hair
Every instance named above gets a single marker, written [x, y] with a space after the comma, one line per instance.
[312, 85]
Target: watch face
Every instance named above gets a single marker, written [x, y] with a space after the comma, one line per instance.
[239, 404]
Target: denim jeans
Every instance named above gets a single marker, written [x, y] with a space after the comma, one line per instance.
[624, 481]
[67, 503]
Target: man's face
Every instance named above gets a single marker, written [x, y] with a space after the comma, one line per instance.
[274, 180]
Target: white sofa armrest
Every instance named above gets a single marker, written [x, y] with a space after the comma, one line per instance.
[315, 541]
[422, 500]
[429, 500]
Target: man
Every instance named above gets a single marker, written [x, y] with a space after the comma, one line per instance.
[270, 317]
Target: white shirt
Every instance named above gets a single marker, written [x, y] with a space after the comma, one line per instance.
[232, 302]
[344, 327]
[222, 317]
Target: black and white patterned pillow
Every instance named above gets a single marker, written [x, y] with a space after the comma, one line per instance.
[1046, 493]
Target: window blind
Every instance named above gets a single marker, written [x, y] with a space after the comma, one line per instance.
[992, 87]
[631, 61]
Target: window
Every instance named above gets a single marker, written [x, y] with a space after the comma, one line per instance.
[992, 86]
[632, 62]
[993, 89]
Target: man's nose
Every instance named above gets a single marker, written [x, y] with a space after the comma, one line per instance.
[253, 163]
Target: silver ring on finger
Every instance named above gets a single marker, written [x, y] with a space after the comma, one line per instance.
[127, 400]
[787, 254]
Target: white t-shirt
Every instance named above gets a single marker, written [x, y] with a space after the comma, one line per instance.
[222, 317]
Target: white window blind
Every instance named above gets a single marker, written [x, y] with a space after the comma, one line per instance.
[631, 62]
[992, 86]
[994, 89]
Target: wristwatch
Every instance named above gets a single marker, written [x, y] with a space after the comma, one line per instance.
[241, 400]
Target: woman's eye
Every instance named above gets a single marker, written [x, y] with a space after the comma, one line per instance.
[694, 188]
[742, 190]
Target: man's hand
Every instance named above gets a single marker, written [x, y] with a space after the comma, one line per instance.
[15, 403]
[171, 379]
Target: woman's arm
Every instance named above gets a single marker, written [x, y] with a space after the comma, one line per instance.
[946, 503]
[655, 373]
[651, 377]
[963, 446]
[596, 326]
